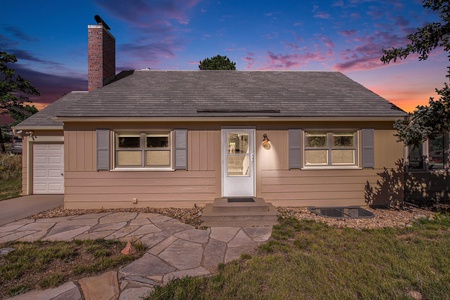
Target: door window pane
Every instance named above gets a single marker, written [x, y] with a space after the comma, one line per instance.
[238, 165]
[237, 143]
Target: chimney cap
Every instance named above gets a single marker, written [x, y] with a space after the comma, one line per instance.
[99, 20]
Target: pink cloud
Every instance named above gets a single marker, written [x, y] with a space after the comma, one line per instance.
[347, 33]
[291, 61]
[327, 42]
[366, 55]
[322, 15]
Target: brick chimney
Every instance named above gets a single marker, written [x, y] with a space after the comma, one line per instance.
[101, 55]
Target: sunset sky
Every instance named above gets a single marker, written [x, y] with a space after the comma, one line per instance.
[49, 39]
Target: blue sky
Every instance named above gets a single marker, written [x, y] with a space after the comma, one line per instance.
[50, 40]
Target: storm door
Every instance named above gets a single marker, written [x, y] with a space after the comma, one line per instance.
[238, 162]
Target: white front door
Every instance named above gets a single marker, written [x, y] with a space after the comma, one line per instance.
[238, 162]
[48, 169]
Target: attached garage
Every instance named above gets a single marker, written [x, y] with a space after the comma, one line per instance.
[48, 168]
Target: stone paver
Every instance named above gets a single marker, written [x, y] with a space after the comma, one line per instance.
[100, 287]
[67, 235]
[258, 234]
[148, 265]
[15, 236]
[194, 235]
[214, 254]
[118, 217]
[163, 245]
[174, 250]
[183, 255]
[135, 293]
[199, 271]
[52, 294]
[241, 239]
[224, 234]
[109, 226]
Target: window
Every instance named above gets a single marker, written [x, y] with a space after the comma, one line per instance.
[324, 148]
[143, 150]
[433, 154]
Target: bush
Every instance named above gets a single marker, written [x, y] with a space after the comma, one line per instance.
[10, 167]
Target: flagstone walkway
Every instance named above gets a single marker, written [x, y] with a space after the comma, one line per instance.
[174, 250]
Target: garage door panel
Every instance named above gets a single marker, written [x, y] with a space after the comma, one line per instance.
[55, 147]
[48, 169]
[55, 187]
[54, 160]
[54, 173]
[40, 160]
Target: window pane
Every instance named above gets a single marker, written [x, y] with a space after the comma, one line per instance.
[342, 157]
[415, 158]
[343, 139]
[158, 158]
[128, 141]
[436, 151]
[129, 158]
[316, 157]
[157, 141]
[316, 139]
[237, 143]
[238, 165]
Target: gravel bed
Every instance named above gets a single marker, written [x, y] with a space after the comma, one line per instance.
[191, 216]
[383, 217]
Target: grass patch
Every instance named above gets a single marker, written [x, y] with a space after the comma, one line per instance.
[10, 176]
[309, 260]
[42, 265]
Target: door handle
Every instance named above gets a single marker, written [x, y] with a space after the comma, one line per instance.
[252, 157]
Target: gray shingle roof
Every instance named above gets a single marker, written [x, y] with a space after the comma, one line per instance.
[44, 117]
[231, 93]
[220, 94]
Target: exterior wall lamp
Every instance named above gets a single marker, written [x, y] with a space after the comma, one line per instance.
[266, 142]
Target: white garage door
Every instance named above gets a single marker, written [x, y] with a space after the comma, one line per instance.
[48, 169]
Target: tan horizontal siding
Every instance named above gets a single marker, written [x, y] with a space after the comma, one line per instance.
[154, 182]
[316, 187]
[152, 189]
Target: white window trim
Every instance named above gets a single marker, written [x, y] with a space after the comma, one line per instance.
[356, 166]
[145, 168]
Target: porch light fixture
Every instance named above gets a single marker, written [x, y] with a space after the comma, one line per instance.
[266, 142]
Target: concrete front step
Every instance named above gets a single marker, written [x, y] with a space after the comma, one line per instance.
[223, 205]
[239, 215]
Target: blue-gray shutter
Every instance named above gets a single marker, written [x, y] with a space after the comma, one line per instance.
[181, 149]
[368, 148]
[295, 148]
[102, 149]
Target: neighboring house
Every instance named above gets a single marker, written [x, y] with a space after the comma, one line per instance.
[179, 138]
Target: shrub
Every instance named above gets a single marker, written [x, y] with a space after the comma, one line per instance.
[10, 167]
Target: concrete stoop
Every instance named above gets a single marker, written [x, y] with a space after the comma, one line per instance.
[243, 212]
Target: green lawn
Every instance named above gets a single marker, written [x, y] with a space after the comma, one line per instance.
[43, 265]
[10, 188]
[308, 260]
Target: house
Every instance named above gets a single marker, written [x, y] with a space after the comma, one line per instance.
[179, 138]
